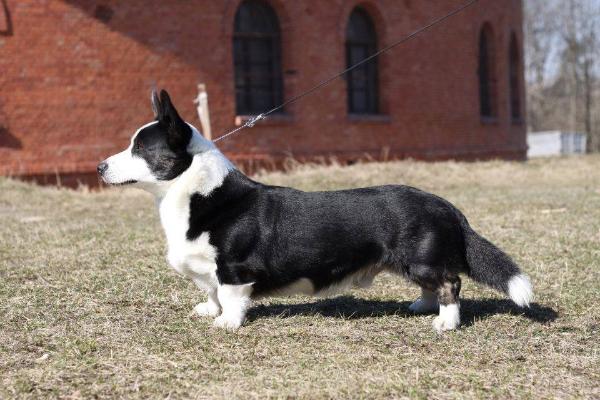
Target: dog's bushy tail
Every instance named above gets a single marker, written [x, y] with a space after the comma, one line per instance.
[491, 266]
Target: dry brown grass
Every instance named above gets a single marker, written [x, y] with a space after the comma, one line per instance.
[89, 307]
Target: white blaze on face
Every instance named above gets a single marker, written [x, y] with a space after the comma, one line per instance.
[126, 167]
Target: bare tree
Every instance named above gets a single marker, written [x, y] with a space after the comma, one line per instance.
[541, 30]
[580, 49]
[561, 68]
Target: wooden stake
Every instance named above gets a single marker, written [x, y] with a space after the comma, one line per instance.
[203, 114]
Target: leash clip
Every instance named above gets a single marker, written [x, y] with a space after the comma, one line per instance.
[251, 122]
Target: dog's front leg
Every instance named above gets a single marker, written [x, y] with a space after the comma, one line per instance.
[211, 307]
[235, 301]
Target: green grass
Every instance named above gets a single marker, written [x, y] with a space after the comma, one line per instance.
[90, 308]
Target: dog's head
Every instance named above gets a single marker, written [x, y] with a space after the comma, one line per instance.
[159, 151]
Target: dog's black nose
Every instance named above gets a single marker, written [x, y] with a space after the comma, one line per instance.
[102, 167]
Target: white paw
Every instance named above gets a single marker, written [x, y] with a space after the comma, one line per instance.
[207, 309]
[440, 325]
[423, 306]
[228, 322]
[448, 319]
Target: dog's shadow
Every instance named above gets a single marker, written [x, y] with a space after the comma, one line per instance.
[349, 307]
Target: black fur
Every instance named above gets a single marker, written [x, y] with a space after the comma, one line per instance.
[166, 161]
[164, 145]
[273, 236]
[488, 264]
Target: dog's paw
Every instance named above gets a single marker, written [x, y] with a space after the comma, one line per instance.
[207, 309]
[228, 322]
[423, 307]
[441, 324]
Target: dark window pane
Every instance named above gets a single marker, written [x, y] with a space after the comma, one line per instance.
[257, 58]
[255, 18]
[359, 100]
[358, 53]
[513, 72]
[487, 78]
[360, 27]
[259, 51]
[262, 98]
[361, 42]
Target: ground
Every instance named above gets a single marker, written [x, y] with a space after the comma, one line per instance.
[89, 307]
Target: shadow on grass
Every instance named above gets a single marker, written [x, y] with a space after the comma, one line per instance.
[349, 307]
[472, 310]
[345, 307]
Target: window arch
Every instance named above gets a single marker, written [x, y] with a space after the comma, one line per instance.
[6, 26]
[514, 62]
[487, 73]
[361, 42]
[257, 58]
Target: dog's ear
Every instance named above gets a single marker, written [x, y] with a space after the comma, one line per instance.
[156, 106]
[179, 133]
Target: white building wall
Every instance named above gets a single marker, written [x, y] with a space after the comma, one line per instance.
[543, 144]
[555, 143]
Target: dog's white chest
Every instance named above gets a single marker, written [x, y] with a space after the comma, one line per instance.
[193, 258]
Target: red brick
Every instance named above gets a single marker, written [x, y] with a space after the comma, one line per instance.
[73, 89]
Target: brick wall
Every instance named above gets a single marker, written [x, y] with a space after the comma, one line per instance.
[75, 80]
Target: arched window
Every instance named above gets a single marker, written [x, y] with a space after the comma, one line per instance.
[257, 58]
[6, 26]
[514, 62]
[487, 73]
[361, 42]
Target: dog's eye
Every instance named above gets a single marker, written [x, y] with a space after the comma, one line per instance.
[138, 145]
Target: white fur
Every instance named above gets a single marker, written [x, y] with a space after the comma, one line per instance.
[427, 303]
[235, 301]
[210, 308]
[124, 166]
[200, 144]
[448, 319]
[519, 290]
[196, 258]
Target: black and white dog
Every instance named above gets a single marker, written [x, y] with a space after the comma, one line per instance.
[238, 239]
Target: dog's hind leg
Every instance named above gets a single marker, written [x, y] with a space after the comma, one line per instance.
[235, 301]
[427, 303]
[428, 278]
[447, 294]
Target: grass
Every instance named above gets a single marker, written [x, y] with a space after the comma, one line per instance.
[89, 307]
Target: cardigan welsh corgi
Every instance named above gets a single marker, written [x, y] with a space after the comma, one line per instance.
[239, 239]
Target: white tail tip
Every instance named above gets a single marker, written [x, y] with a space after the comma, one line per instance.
[519, 290]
